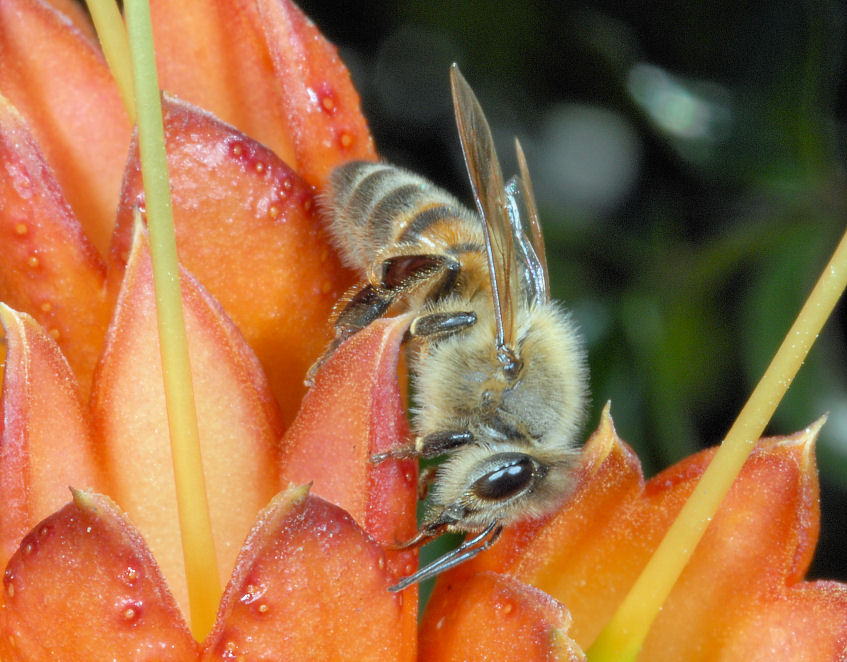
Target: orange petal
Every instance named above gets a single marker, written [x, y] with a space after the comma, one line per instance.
[84, 586]
[310, 585]
[760, 540]
[75, 13]
[56, 77]
[808, 623]
[495, 617]
[761, 536]
[238, 421]
[353, 411]
[210, 54]
[49, 269]
[320, 103]
[266, 69]
[45, 438]
[564, 554]
[247, 228]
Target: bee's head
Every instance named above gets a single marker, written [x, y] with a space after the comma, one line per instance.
[476, 487]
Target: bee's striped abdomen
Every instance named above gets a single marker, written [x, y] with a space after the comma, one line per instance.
[375, 208]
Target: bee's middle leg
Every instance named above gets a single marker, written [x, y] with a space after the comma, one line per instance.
[430, 446]
[435, 325]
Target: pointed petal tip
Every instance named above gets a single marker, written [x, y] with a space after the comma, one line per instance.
[85, 564]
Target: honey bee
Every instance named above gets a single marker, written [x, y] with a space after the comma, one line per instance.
[498, 369]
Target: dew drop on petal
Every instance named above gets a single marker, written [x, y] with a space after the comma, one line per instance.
[345, 140]
[328, 104]
[21, 229]
[33, 262]
[505, 607]
[128, 575]
[273, 211]
[55, 334]
[46, 307]
[129, 611]
[8, 579]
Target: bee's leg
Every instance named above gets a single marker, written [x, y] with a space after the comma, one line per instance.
[467, 550]
[359, 306]
[404, 272]
[432, 445]
[362, 305]
[435, 325]
[425, 479]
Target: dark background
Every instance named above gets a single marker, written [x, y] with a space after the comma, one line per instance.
[687, 159]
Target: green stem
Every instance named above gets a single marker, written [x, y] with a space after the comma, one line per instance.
[201, 569]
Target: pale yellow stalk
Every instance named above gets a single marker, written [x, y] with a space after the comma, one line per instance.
[201, 569]
[113, 40]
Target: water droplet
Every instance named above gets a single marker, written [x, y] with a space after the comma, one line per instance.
[130, 611]
[21, 229]
[236, 149]
[440, 623]
[260, 167]
[505, 607]
[46, 307]
[307, 204]
[328, 104]
[128, 575]
[27, 549]
[381, 563]
[33, 262]
[273, 211]
[55, 334]
[345, 140]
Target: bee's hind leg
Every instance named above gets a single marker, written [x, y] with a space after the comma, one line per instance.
[359, 306]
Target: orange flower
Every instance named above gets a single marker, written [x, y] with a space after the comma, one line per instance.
[98, 578]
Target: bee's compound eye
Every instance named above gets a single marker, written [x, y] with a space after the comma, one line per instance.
[505, 481]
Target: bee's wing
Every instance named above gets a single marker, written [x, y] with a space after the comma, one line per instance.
[534, 223]
[489, 192]
[527, 240]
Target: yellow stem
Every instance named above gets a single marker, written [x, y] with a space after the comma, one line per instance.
[624, 635]
[112, 35]
[201, 569]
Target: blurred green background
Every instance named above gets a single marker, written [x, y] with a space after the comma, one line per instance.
[687, 160]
